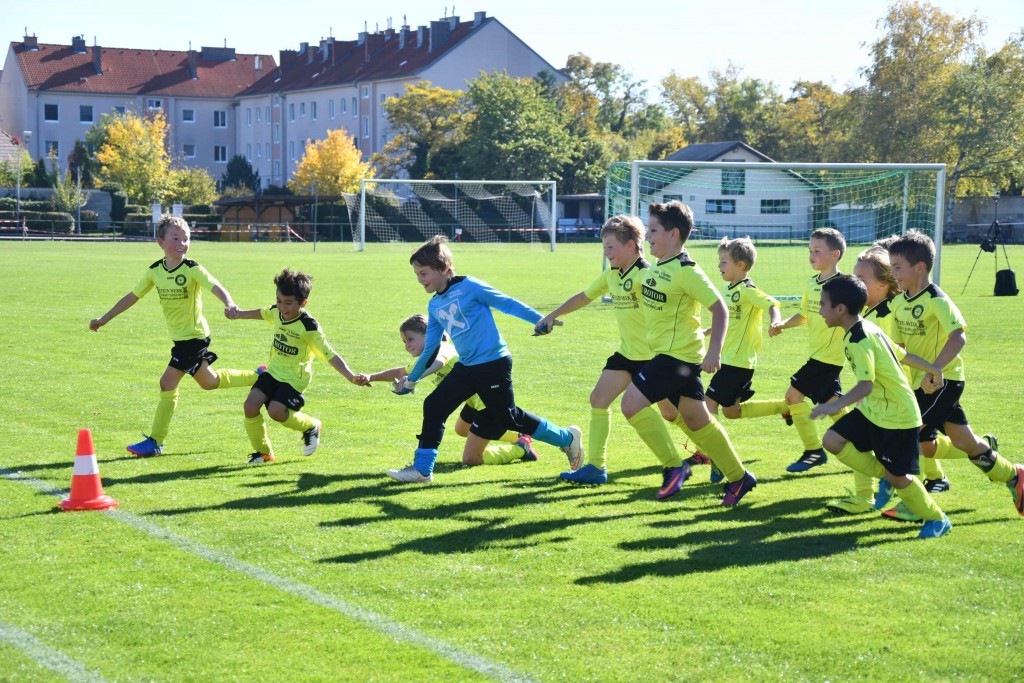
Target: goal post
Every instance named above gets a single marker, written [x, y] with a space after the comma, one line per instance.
[480, 211]
[778, 205]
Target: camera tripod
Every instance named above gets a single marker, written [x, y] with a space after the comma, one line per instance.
[990, 243]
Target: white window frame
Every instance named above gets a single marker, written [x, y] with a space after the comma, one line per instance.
[291, 111]
[119, 110]
[184, 151]
[259, 114]
[268, 115]
[188, 115]
[221, 151]
[277, 132]
[344, 105]
[248, 116]
[51, 148]
[154, 104]
[248, 152]
[56, 109]
[366, 92]
[291, 150]
[355, 108]
[330, 108]
[92, 114]
[222, 116]
[302, 110]
[366, 126]
[312, 110]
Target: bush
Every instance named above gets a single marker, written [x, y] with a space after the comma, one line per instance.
[11, 204]
[118, 202]
[90, 221]
[55, 221]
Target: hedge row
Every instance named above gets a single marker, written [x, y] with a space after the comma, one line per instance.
[56, 221]
[11, 204]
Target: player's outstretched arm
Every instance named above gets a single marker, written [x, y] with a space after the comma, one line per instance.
[719, 324]
[573, 303]
[225, 298]
[239, 314]
[955, 343]
[126, 302]
[339, 364]
[389, 375]
[795, 320]
[932, 381]
[852, 397]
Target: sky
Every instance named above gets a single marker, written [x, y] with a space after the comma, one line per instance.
[775, 40]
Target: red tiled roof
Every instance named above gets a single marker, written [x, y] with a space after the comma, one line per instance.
[349, 61]
[136, 72]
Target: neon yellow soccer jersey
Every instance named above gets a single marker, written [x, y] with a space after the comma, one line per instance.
[881, 315]
[624, 288]
[180, 299]
[874, 358]
[673, 292]
[824, 343]
[295, 344]
[747, 305]
[923, 324]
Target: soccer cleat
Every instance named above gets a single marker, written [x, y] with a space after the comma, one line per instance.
[574, 451]
[901, 513]
[588, 475]
[311, 438]
[788, 418]
[852, 504]
[261, 369]
[672, 479]
[992, 441]
[936, 485]
[410, 475]
[736, 490]
[698, 458]
[257, 458]
[146, 448]
[808, 460]
[1017, 489]
[716, 474]
[934, 528]
[884, 494]
[526, 443]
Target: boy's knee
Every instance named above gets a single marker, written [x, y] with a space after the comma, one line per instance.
[793, 396]
[462, 429]
[732, 412]
[277, 413]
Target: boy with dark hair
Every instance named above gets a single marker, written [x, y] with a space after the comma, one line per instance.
[461, 308]
[818, 378]
[178, 282]
[297, 338]
[930, 325]
[887, 419]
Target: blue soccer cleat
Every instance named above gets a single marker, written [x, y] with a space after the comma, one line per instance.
[716, 474]
[146, 448]
[808, 460]
[884, 494]
[588, 475]
[934, 528]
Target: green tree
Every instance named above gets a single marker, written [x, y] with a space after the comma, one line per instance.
[515, 131]
[241, 173]
[40, 177]
[814, 124]
[333, 164]
[67, 195]
[133, 155]
[81, 160]
[191, 186]
[9, 170]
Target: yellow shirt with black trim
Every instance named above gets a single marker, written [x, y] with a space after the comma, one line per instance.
[294, 345]
[624, 289]
[449, 356]
[874, 358]
[825, 343]
[673, 292]
[747, 305]
[922, 323]
[881, 315]
[179, 291]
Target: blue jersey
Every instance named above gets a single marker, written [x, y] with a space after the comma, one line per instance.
[463, 312]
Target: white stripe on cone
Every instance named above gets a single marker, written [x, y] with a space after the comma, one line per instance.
[85, 465]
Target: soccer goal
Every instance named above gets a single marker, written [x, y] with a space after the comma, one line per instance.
[778, 205]
[482, 211]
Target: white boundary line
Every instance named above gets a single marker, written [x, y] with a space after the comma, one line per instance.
[388, 627]
[44, 655]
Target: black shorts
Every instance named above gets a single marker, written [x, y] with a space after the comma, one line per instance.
[939, 408]
[818, 381]
[897, 449]
[282, 392]
[468, 413]
[667, 377]
[730, 385]
[618, 362]
[188, 355]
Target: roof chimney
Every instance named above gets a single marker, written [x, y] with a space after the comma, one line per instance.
[192, 66]
[421, 34]
[78, 45]
[258, 63]
[440, 33]
[403, 37]
[453, 21]
[97, 58]
[362, 38]
[478, 18]
[303, 47]
[31, 43]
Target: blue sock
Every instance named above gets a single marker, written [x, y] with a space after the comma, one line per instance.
[424, 459]
[552, 434]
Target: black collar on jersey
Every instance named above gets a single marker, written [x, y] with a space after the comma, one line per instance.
[930, 289]
[448, 285]
[639, 263]
[821, 282]
[856, 332]
[881, 309]
[185, 261]
[745, 281]
[683, 257]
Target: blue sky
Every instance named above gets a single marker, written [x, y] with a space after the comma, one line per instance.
[777, 40]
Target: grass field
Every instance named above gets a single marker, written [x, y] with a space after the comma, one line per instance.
[321, 569]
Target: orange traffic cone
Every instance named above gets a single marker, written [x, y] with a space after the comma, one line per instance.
[86, 487]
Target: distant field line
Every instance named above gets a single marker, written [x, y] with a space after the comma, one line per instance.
[46, 656]
[388, 627]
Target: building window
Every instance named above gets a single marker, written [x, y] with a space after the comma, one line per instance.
[277, 101]
[248, 152]
[277, 132]
[774, 206]
[344, 105]
[672, 198]
[119, 111]
[355, 107]
[312, 110]
[85, 113]
[52, 148]
[734, 182]
[188, 115]
[220, 119]
[154, 104]
[720, 206]
[220, 154]
[248, 115]
[268, 115]
[382, 98]
[51, 112]
[291, 150]
[330, 108]
[366, 126]
[259, 113]
[259, 151]
[302, 109]
[277, 171]
[366, 92]
[291, 111]
[383, 140]
[188, 151]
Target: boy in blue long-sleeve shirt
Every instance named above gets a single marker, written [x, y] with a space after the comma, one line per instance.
[461, 308]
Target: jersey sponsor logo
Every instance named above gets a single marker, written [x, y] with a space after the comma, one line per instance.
[452, 318]
[735, 296]
[627, 286]
[180, 280]
[651, 282]
[654, 295]
[917, 311]
[282, 345]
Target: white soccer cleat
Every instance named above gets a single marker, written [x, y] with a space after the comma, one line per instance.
[410, 475]
[311, 438]
[574, 451]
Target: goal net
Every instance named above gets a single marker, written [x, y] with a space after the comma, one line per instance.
[778, 205]
[482, 211]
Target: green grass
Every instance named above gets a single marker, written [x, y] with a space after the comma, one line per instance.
[539, 579]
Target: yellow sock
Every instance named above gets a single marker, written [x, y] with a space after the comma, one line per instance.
[300, 422]
[164, 411]
[996, 467]
[919, 500]
[714, 442]
[651, 428]
[256, 428]
[805, 427]
[502, 453]
[863, 485]
[931, 469]
[509, 437]
[860, 461]
[232, 379]
[763, 408]
[945, 450]
[597, 441]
